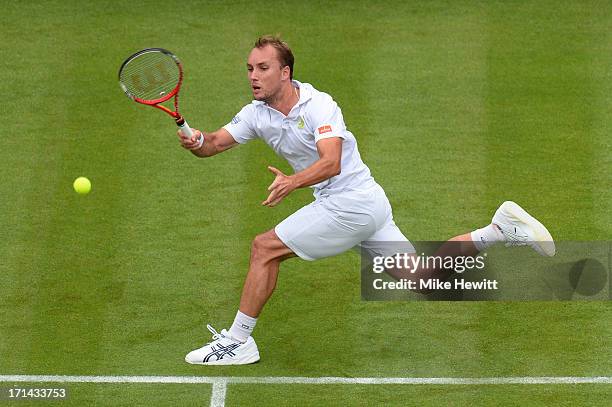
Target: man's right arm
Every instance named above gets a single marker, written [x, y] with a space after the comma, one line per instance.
[214, 143]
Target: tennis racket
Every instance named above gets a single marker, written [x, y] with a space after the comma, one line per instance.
[153, 76]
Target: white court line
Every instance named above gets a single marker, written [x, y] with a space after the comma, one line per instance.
[309, 380]
[217, 398]
[219, 384]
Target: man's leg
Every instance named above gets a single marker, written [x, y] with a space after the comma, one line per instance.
[510, 224]
[267, 252]
[237, 347]
[313, 232]
[461, 245]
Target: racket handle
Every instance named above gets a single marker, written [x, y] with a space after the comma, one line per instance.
[185, 129]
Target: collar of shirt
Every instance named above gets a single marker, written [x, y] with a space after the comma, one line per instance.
[305, 96]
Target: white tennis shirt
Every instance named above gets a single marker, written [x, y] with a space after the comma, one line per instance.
[315, 116]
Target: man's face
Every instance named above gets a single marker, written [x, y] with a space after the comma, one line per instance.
[265, 73]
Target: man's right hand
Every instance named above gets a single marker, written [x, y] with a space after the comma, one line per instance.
[211, 144]
[191, 143]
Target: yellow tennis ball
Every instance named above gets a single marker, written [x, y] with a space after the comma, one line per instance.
[82, 185]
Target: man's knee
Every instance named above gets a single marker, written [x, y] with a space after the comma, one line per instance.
[259, 245]
[267, 247]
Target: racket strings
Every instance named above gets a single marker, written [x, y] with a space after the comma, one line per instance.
[151, 76]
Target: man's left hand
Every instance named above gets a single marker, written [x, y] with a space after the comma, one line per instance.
[279, 188]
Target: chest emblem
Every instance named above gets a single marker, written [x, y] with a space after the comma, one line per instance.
[301, 123]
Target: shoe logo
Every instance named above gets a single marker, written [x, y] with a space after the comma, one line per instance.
[221, 351]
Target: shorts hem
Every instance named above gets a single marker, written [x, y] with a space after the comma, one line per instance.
[300, 253]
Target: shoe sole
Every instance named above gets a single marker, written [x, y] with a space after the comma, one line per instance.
[247, 361]
[543, 241]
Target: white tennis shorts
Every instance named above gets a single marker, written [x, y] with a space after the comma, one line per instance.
[332, 224]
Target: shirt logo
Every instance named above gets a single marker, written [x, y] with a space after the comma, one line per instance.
[324, 129]
[236, 119]
[301, 123]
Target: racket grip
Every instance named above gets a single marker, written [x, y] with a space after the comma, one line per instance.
[185, 129]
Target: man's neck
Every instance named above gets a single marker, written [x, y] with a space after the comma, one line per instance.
[288, 97]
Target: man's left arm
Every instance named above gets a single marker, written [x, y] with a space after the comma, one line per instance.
[327, 166]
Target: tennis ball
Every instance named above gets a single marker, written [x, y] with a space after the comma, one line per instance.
[82, 185]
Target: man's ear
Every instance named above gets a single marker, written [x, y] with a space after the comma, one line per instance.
[285, 73]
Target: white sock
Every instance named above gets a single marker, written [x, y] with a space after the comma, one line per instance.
[242, 327]
[486, 237]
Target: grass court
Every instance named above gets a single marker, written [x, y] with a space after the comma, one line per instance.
[456, 107]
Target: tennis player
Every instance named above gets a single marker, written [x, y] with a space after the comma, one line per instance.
[306, 127]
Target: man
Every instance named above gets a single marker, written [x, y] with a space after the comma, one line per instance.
[306, 127]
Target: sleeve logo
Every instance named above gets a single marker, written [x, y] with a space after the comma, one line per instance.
[324, 129]
[236, 119]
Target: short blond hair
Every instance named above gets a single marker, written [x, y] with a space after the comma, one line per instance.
[285, 56]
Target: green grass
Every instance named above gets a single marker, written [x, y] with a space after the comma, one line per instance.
[400, 395]
[456, 107]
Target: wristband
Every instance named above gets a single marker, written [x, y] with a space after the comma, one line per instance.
[200, 143]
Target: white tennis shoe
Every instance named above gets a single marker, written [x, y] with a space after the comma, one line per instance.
[520, 228]
[224, 350]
